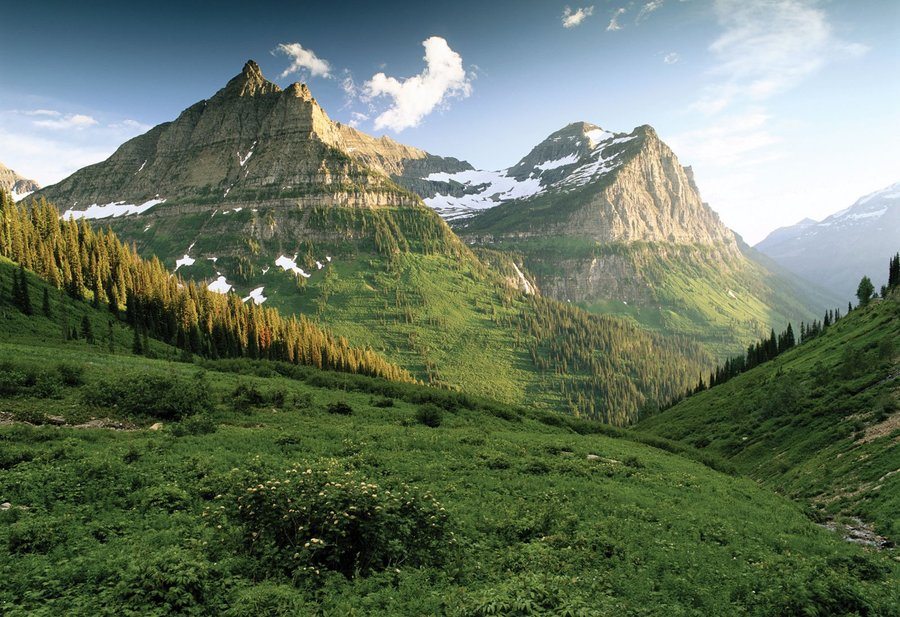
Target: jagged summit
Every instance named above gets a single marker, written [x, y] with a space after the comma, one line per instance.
[250, 143]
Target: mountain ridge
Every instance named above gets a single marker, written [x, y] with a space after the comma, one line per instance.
[837, 250]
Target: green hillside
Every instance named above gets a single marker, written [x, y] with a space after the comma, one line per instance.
[820, 423]
[140, 486]
[682, 290]
[399, 281]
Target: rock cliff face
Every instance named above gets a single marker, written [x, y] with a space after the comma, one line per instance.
[615, 223]
[251, 143]
[18, 186]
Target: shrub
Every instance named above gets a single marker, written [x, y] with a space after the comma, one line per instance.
[34, 535]
[340, 408]
[200, 424]
[12, 380]
[536, 467]
[429, 414]
[383, 402]
[328, 518]
[245, 396]
[268, 599]
[172, 582]
[166, 397]
[71, 374]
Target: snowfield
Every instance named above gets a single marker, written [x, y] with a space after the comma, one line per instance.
[114, 209]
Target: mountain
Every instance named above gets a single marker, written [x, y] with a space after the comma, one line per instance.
[256, 191]
[126, 479]
[17, 186]
[615, 224]
[820, 423]
[837, 251]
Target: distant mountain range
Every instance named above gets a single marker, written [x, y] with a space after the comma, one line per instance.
[18, 186]
[837, 251]
[256, 191]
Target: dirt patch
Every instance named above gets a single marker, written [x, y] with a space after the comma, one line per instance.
[882, 429]
[858, 531]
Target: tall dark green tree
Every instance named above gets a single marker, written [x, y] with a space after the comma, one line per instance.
[894, 272]
[45, 304]
[865, 290]
[87, 331]
[22, 296]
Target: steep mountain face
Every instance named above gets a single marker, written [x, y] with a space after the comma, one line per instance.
[250, 142]
[836, 252]
[255, 191]
[614, 223]
[17, 186]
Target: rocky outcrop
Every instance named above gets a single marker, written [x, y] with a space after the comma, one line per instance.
[18, 186]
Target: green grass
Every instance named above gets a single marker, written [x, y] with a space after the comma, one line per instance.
[819, 423]
[544, 514]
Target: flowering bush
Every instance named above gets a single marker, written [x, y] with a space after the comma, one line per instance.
[332, 519]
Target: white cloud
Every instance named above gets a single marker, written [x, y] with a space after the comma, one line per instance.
[130, 125]
[732, 141]
[768, 46]
[614, 20]
[648, 8]
[303, 60]
[415, 97]
[42, 112]
[69, 121]
[356, 118]
[571, 18]
[671, 58]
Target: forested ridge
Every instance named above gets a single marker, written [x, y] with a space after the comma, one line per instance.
[95, 265]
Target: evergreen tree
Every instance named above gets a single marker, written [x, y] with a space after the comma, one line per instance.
[24, 299]
[87, 331]
[894, 272]
[865, 290]
[136, 347]
[45, 304]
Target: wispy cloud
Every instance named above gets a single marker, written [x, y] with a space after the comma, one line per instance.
[415, 97]
[357, 118]
[732, 140]
[671, 58]
[648, 8]
[304, 61]
[614, 20]
[57, 121]
[767, 47]
[571, 18]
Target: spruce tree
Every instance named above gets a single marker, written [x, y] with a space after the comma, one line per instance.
[87, 331]
[24, 297]
[45, 304]
[136, 347]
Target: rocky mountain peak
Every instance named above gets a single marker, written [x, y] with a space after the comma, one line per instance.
[18, 186]
[249, 82]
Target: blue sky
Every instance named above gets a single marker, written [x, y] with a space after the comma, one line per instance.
[785, 108]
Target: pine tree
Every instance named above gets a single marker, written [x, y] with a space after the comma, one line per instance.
[87, 331]
[894, 272]
[136, 347]
[23, 295]
[45, 304]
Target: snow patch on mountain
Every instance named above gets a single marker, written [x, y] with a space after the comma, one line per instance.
[219, 286]
[113, 209]
[184, 261]
[257, 296]
[290, 265]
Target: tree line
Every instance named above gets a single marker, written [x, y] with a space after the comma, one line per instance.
[95, 266]
[770, 348]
